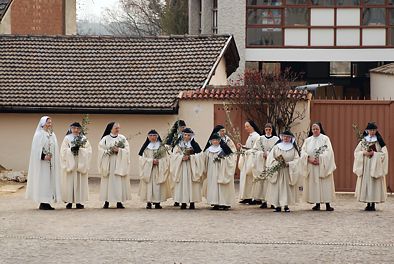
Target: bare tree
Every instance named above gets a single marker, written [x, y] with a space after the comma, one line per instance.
[148, 17]
[269, 97]
[136, 18]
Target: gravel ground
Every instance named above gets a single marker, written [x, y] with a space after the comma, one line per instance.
[245, 234]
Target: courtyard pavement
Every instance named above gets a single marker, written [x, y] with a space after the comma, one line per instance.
[245, 234]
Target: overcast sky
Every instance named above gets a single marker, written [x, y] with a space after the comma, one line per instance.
[94, 8]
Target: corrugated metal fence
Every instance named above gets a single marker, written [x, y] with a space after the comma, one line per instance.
[337, 117]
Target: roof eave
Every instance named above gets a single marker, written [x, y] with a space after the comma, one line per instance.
[87, 110]
[5, 11]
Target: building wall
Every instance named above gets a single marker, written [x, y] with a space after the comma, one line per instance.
[231, 20]
[16, 140]
[70, 17]
[43, 17]
[299, 54]
[220, 75]
[194, 17]
[382, 86]
[5, 24]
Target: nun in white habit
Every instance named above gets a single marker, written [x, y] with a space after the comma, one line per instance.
[75, 156]
[43, 180]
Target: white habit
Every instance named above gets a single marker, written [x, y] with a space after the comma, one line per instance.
[114, 170]
[75, 169]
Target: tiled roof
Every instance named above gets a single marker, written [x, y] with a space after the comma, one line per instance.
[106, 74]
[4, 5]
[228, 92]
[385, 69]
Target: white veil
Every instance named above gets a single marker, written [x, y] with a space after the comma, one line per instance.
[33, 179]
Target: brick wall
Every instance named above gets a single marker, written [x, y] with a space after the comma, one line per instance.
[37, 17]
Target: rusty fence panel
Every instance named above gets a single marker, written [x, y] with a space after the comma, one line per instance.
[337, 117]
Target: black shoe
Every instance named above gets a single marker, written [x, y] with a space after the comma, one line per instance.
[264, 205]
[373, 207]
[252, 202]
[316, 207]
[287, 209]
[245, 201]
[45, 206]
[226, 208]
[80, 206]
[106, 205]
[258, 201]
[69, 206]
[277, 209]
[272, 207]
[329, 208]
[119, 205]
[158, 206]
[215, 207]
[192, 206]
[148, 205]
[176, 204]
[183, 206]
[368, 208]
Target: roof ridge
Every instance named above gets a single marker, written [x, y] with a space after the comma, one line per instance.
[185, 36]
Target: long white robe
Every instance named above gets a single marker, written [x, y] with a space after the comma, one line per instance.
[371, 174]
[220, 179]
[44, 177]
[230, 143]
[319, 179]
[75, 169]
[259, 163]
[187, 176]
[154, 179]
[282, 186]
[245, 165]
[114, 170]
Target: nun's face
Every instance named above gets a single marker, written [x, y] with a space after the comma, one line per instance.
[372, 132]
[48, 124]
[187, 137]
[268, 131]
[248, 128]
[286, 138]
[215, 142]
[315, 130]
[152, 138]
[115, 129]
[222, 132]
[75, 130]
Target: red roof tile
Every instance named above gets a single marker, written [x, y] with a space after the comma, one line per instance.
[228, 92]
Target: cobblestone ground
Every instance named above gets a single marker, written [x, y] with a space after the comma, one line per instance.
[245, 234]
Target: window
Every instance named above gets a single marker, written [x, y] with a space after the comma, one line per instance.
[297, 16]
[323, 2]
[340, 68]
[297, 2]
[319, 23]
[391, 34]
[391, 11]
[265, 36]
[373, 2]
[264, 2]
[374, 17]
[264, 16]
[215, 17]
[348, 2]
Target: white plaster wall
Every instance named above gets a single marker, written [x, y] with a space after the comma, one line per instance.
[382, 86]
